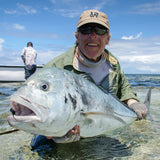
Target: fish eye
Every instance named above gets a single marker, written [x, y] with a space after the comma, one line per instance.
[44, 86]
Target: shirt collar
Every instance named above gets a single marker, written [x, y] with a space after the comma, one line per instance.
[105, 57]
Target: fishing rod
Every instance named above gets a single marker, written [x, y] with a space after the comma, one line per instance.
[10, 131]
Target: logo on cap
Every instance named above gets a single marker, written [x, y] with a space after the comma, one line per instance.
[94, 14]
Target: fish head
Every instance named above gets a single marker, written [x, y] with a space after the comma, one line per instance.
[44, 104]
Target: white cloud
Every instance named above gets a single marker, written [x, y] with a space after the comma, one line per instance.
[149, 69]
[45, 56]
[102, 3]
[73, 8]
[53, 1]
[21, 9]
[10, 11]
[137, 56]
[27, 9]
[147, 8]
[1, 41]
[132, 37]
[157, 43]
[46, 8]
[68, 12]
[151, 59]
[18, 26]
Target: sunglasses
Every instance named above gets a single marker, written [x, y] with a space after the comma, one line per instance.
[90, 29]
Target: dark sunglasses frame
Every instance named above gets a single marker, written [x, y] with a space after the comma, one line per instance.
[90, 29]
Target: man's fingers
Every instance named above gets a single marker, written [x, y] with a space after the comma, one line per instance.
[49, 137]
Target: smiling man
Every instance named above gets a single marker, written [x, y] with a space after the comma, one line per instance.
[90, 59]
[92, 39]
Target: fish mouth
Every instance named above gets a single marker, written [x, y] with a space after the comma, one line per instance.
[24, 110]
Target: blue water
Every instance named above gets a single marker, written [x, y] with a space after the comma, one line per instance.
[144, 80]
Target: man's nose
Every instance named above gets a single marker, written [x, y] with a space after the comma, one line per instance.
[93, 34]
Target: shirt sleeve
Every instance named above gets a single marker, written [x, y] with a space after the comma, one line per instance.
[23, 51]
[23, 54]
[125, 90]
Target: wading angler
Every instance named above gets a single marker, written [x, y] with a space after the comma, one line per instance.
[65, 106]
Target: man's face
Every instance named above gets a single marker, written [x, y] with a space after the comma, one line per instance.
[92, 45]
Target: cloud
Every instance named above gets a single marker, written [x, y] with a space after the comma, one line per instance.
[138, 55]
[151, 59]
[101, 4]
[21, 9]
[18, 26]
[157, 43]
[148, 68]
[15, 30]
[73, 8]
[10, 11]
[147, 8]
[132, 37]
[1, 41]
[27, 9]
[71, 13]
[53, 1]
[45, 56]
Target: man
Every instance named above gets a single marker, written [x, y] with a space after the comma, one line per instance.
[29, 56]
[90, 57]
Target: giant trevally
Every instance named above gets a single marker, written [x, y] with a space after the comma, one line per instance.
[52, 101]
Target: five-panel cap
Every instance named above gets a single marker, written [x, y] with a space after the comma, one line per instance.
[93, 16]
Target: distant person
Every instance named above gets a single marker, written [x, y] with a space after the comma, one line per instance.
[29, 56]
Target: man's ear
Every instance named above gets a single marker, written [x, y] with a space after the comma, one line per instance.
[76, 35]
[108, 39]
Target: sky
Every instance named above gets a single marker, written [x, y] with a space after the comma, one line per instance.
[50, 26]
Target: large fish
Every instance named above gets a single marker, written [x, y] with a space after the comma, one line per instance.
[53, 101]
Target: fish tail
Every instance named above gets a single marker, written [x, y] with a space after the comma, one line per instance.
[147, 102]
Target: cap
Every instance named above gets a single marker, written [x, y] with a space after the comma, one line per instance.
[93, 16]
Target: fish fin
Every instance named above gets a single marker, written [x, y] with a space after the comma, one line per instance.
[147, 103]
[90, 114]
[148, 98]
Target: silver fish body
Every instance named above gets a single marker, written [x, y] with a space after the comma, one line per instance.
[53, 101]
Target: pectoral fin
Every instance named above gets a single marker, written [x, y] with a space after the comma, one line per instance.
[91, 115]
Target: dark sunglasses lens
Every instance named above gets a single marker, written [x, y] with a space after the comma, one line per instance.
[100, 31]
[97, 30]
[86, 30]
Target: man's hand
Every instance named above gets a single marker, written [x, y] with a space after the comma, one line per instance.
[140, 109]
[72, 136]
[23, 58]
[74, 131]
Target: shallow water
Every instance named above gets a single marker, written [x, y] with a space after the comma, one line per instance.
[140, 140]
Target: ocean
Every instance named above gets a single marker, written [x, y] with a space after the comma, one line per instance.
[140, 140]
